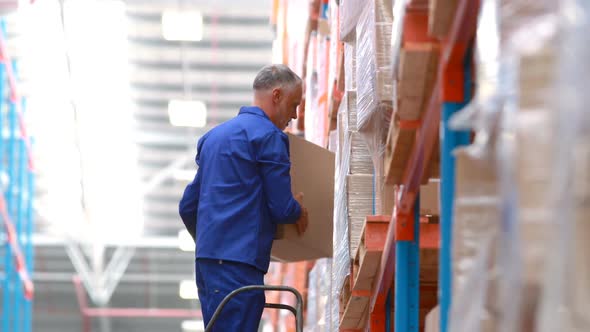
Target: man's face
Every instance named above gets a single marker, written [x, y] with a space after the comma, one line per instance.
[287, 105]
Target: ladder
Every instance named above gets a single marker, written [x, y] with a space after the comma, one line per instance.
[297, 311]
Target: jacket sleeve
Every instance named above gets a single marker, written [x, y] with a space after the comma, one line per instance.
[189, 205]
[275, 166]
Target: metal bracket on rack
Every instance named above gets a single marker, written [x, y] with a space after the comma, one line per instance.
[404, 227]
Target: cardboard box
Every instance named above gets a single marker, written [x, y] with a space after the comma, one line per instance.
[429, 198]
[312, 172]
[360, 205]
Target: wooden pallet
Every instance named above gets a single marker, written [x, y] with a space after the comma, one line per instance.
[441, 13]
[416, 76]
[398, 148]
[368, 255]
[429, 266]
[354, 307]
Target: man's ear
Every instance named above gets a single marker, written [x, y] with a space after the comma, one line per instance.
[277, 94]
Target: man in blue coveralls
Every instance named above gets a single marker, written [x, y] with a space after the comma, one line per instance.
[241, 192]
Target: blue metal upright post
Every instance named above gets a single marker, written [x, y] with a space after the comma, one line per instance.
[18, 191]
[28, 218]
[407, 279]
[450, 139]
[3, 187]
[19, 316]
[10, 296]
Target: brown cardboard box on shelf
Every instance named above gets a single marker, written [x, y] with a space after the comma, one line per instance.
[312, 172]
[580, 276]
[534, 142]
[440, 17]
[475, 232]
[429, 198]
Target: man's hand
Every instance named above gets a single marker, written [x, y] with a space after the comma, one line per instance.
[303, 219]
[299, 198]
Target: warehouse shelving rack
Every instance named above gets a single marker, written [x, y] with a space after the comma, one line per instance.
[400, 259]
[16, 202]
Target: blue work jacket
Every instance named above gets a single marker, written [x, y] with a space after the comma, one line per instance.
[241, 191]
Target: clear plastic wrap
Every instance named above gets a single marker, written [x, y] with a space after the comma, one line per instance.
[511, 114]
[311, 316]
[311, 88]
[316, 101]
[350, 10]
[335, 45]
[333, 140]
[361, 202]
[318, 304]
[341, 258]
[397, 28]
[350, 100]
[350, 66]
[324, 303]
[360, 193]
[483, 112]
[566, 290]
[477, 210]
[528, 41]
[360, 159]
[322, 123]
[375, 83]
[475, 235]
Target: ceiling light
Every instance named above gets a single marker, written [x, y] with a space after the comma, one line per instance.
[185, 241]
[193, 326]
[187, 113]
[182, 25]
[188, 290]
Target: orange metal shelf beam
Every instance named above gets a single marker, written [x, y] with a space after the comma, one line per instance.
[453, 51]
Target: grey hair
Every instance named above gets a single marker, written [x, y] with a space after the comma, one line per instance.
[272, 76]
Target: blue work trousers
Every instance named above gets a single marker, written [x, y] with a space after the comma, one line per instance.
[215, 280]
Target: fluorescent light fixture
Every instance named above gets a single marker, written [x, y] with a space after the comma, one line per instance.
[185, 241]
[182, 25]
[193, 326]
[187, 113]
[188, 290]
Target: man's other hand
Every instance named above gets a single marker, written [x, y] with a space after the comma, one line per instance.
[302, 221]
[299, 198]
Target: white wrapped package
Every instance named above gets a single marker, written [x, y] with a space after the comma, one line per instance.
[351, 108]
[475, 234]
[350, 66]
[311, 317]
[350, 10]
[318, 304]
[341, 257]
[374, 76]
[360, 158]
[361, 202]
[566, 291]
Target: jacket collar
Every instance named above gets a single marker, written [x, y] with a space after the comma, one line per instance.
[253, 110]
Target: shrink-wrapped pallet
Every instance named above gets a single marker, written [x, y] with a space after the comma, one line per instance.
[341, 256]
[566, 292]
[374, 76]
